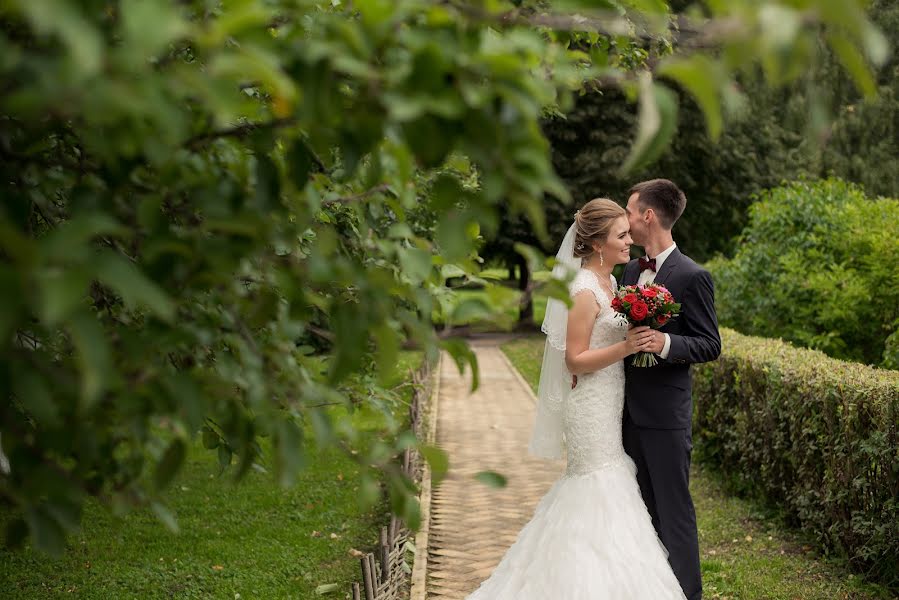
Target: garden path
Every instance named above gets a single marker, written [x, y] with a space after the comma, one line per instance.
[472, 524]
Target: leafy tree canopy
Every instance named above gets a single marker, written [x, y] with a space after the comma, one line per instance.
[220, 217]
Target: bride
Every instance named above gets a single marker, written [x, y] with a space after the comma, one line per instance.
[591, 536]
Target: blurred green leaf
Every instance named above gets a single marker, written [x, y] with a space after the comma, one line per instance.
[700, 76]
[299, 163]
[657, 124]
[16, 533]
[210, 439]
[416, 264]
[149, 27]
[431, 140]
[165, 516]
[438, 460]
[61, 292]
[492, 479]
[288, 452]
[188, 397]
[65, 20]
[387, 344]
[132, 285]
[452, 237]
[854, 62]
[46, 532]
[170, 463]
[94, 359]
[375, 13]
[224, 455]
[469, 310]
[326, 588]
[268, 183]
[36, 397]
[877, 46]
[69, 240]
[463, 355]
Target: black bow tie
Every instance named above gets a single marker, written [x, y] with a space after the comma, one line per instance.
[649, 263]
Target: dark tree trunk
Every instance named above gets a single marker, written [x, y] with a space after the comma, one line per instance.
[526, 309]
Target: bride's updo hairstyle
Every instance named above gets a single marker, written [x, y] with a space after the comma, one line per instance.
[593, 223]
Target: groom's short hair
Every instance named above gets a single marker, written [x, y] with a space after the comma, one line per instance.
[663, 197]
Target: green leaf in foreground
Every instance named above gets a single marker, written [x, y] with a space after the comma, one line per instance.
[658, 121]
[463, 355]
[437, 460]
[165, 516]
[170, 463]
[46, 532]
[326, 588]
[491, 478]
[132, 285]
[699, 75]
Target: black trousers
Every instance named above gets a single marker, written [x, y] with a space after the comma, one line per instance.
[662, 457]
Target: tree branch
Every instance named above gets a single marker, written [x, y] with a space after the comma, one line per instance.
[237, 131]
[322, 333]
[682, 30]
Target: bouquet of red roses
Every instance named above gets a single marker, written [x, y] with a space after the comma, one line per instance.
[651, 305]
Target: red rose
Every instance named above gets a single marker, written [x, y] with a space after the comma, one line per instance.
[649, 293]
[662, 319]
[639, 310]
[630, 298]
[616, 304]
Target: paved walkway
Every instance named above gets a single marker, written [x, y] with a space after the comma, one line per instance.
[472, 525]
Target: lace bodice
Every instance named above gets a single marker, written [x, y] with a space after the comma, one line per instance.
[593, 412]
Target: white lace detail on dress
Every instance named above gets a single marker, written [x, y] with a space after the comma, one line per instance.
[593, 412]
[588, 280]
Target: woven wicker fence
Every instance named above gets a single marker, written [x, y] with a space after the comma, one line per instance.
[383, 574]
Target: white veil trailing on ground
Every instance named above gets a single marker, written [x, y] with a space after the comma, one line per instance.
[547, 439]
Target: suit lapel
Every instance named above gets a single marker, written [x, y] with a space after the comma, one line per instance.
[668, 266]
[628, 277]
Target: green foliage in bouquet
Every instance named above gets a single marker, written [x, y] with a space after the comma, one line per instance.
[815, 435]
[817, 266]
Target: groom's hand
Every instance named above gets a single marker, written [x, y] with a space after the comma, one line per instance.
[648, 340]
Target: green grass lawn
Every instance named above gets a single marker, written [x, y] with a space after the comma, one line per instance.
[746, 553]
[254, 539]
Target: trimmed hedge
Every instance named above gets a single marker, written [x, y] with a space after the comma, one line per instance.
[816, 435]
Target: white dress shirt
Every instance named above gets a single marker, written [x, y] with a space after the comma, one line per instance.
[648, 276]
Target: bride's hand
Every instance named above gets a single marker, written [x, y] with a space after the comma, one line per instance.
[638, 339]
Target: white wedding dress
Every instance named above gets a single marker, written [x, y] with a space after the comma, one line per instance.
[591, 536]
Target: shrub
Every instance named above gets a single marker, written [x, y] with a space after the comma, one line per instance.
[817, 266]
[813, 434]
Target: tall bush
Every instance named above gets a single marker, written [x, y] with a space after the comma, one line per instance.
[815, 435]
[817, 266]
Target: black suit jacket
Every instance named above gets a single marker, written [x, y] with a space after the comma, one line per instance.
[660, 397]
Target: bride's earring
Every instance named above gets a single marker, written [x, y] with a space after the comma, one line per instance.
[601, 263]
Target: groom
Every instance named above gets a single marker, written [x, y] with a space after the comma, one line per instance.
[658, 402]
